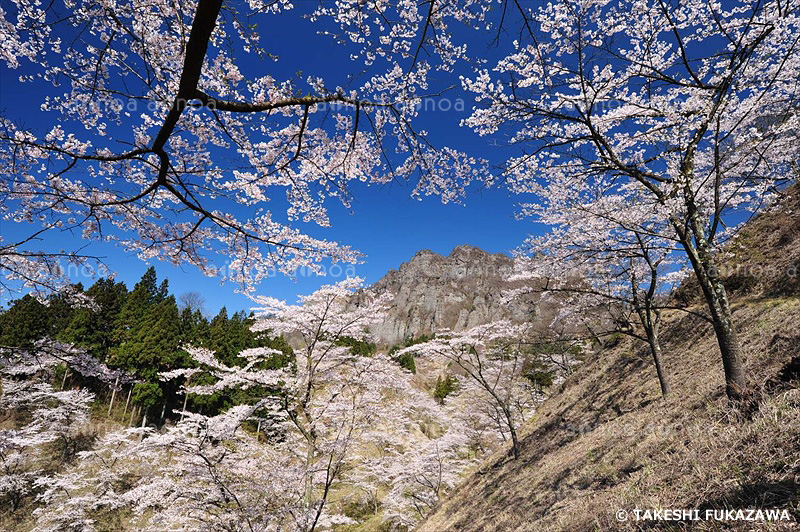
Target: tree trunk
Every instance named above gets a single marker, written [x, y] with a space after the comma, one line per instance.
[514, 443]
[144, 424]
[511, 429]
[735, 382]
[113, 395]
[716, 297]
[185, 398]
[308, 488]
[127, 403]
[650, 319]
[655, 349]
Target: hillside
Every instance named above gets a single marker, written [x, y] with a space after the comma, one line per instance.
[763, 257]
[605, 441]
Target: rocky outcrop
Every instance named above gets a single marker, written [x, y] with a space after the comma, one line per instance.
[458, 291]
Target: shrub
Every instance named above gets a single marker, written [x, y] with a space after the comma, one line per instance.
[444, 387]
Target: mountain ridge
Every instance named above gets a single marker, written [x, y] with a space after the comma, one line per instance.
[455, 291]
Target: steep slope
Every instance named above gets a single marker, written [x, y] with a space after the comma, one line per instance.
[458, 291]
[606, 442]
[763, 258]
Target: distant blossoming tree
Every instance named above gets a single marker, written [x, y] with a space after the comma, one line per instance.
[210, 472]
[51, 425]
[318, 407]
[422, 475]
[493, 363]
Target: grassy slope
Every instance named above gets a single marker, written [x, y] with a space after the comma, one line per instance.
[606, 440]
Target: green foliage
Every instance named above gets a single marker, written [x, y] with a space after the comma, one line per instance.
[613, 340]
[559, 350]
[227, 337]
[541, 379]
[60, 310]
[147, 394]
[25, 322]
[407, 362]
[149, 332]
[544, 360]
[357, 347]
[444, 387]
[408, 342]
[194, 326]
[58, 375]
[28, 320]
[142, 332]
[94, 329]
[280, 344]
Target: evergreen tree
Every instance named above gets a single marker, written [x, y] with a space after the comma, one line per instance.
[61, 310]
[94, 328]
[148, 330]
[26, 321]
[198, 330]
[143, 332]
[153, 345]
[444, 387]
[217, 336]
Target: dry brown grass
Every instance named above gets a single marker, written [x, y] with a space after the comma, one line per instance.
[606, 440]
[763, 259]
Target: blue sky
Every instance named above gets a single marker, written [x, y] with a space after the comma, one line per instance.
[386, 224]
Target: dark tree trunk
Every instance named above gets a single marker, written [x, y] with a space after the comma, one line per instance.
[650, 318]
[655, 350]
[514, 443]
[511, 429]
[735, 382]
[707, 273]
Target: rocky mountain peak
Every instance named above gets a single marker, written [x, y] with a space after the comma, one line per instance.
[457, 291]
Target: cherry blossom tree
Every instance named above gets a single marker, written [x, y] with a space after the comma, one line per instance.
[155, 132]
[319, 406]
[49, 425]
[493, 363]
[336, 426]
[215, 472]
[424, 474]
[56, 418]
[47, 428]
[613, 274]
[81, 496]
[338, 418]
[211, 473]
[417, 453]
[692, 104]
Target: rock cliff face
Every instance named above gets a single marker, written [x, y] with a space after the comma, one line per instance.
[458, 291]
